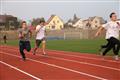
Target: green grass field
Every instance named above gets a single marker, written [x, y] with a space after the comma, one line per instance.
[83, 46]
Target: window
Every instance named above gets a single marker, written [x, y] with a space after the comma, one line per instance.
[54, 22]
[53, 27]
[60, 26]
[95, 21]
[58, 21]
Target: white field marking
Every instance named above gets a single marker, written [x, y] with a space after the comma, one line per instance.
[59, 1]
[83, 56]
[20, 70]
[79, 53]
[91, 64]
[60, 67]
[78, 62]
[78, 56]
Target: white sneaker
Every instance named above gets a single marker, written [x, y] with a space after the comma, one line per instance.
[101, 54]
[44, 53]
[116, 57]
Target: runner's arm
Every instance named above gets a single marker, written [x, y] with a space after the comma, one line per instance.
[37, 29]
[30, 33]
[45, 32]
[118, 23]
[99, 31]
[20, 34]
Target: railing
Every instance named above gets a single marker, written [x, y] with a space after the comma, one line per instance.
[57, 34]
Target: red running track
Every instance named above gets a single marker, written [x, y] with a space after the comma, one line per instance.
[59, 65]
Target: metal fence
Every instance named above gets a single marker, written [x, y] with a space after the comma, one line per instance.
[57, 34]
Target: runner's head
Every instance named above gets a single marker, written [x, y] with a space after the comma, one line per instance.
[42, 21]
[24, 24]
[113, 16]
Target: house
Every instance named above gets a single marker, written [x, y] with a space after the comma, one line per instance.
[75, 22]
[2, 22]
[78, 24]
[86, 24]
[90, 23]
[95, 22]
[54, 23]
[8, 22]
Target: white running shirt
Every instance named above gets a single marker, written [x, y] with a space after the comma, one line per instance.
[41, 33]
[112, 29]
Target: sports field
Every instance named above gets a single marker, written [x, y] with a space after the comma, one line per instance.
[86, 46]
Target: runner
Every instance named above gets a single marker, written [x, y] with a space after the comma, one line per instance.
[112, 35]
[5, 39]
[24, 39]
[40, 36]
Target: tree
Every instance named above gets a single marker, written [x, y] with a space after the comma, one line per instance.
[36, 21]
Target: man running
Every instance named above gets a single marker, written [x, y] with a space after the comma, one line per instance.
[40, 36]
[112, 35]
[24, 39]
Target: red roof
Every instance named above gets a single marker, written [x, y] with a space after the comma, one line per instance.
[49, 20]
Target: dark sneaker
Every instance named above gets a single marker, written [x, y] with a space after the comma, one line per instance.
[24, 59]
[101, 51]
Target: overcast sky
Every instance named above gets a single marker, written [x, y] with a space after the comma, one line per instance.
[28, 9]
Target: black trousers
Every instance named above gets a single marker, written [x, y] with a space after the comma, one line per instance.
[114, 44]
[24, 45]
[105, 46]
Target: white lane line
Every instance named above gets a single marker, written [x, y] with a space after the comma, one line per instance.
[76, 56]
[80, 62]
[91, 64]
[20, 70]
[83, 57]
[79, 53]
[60, 67]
